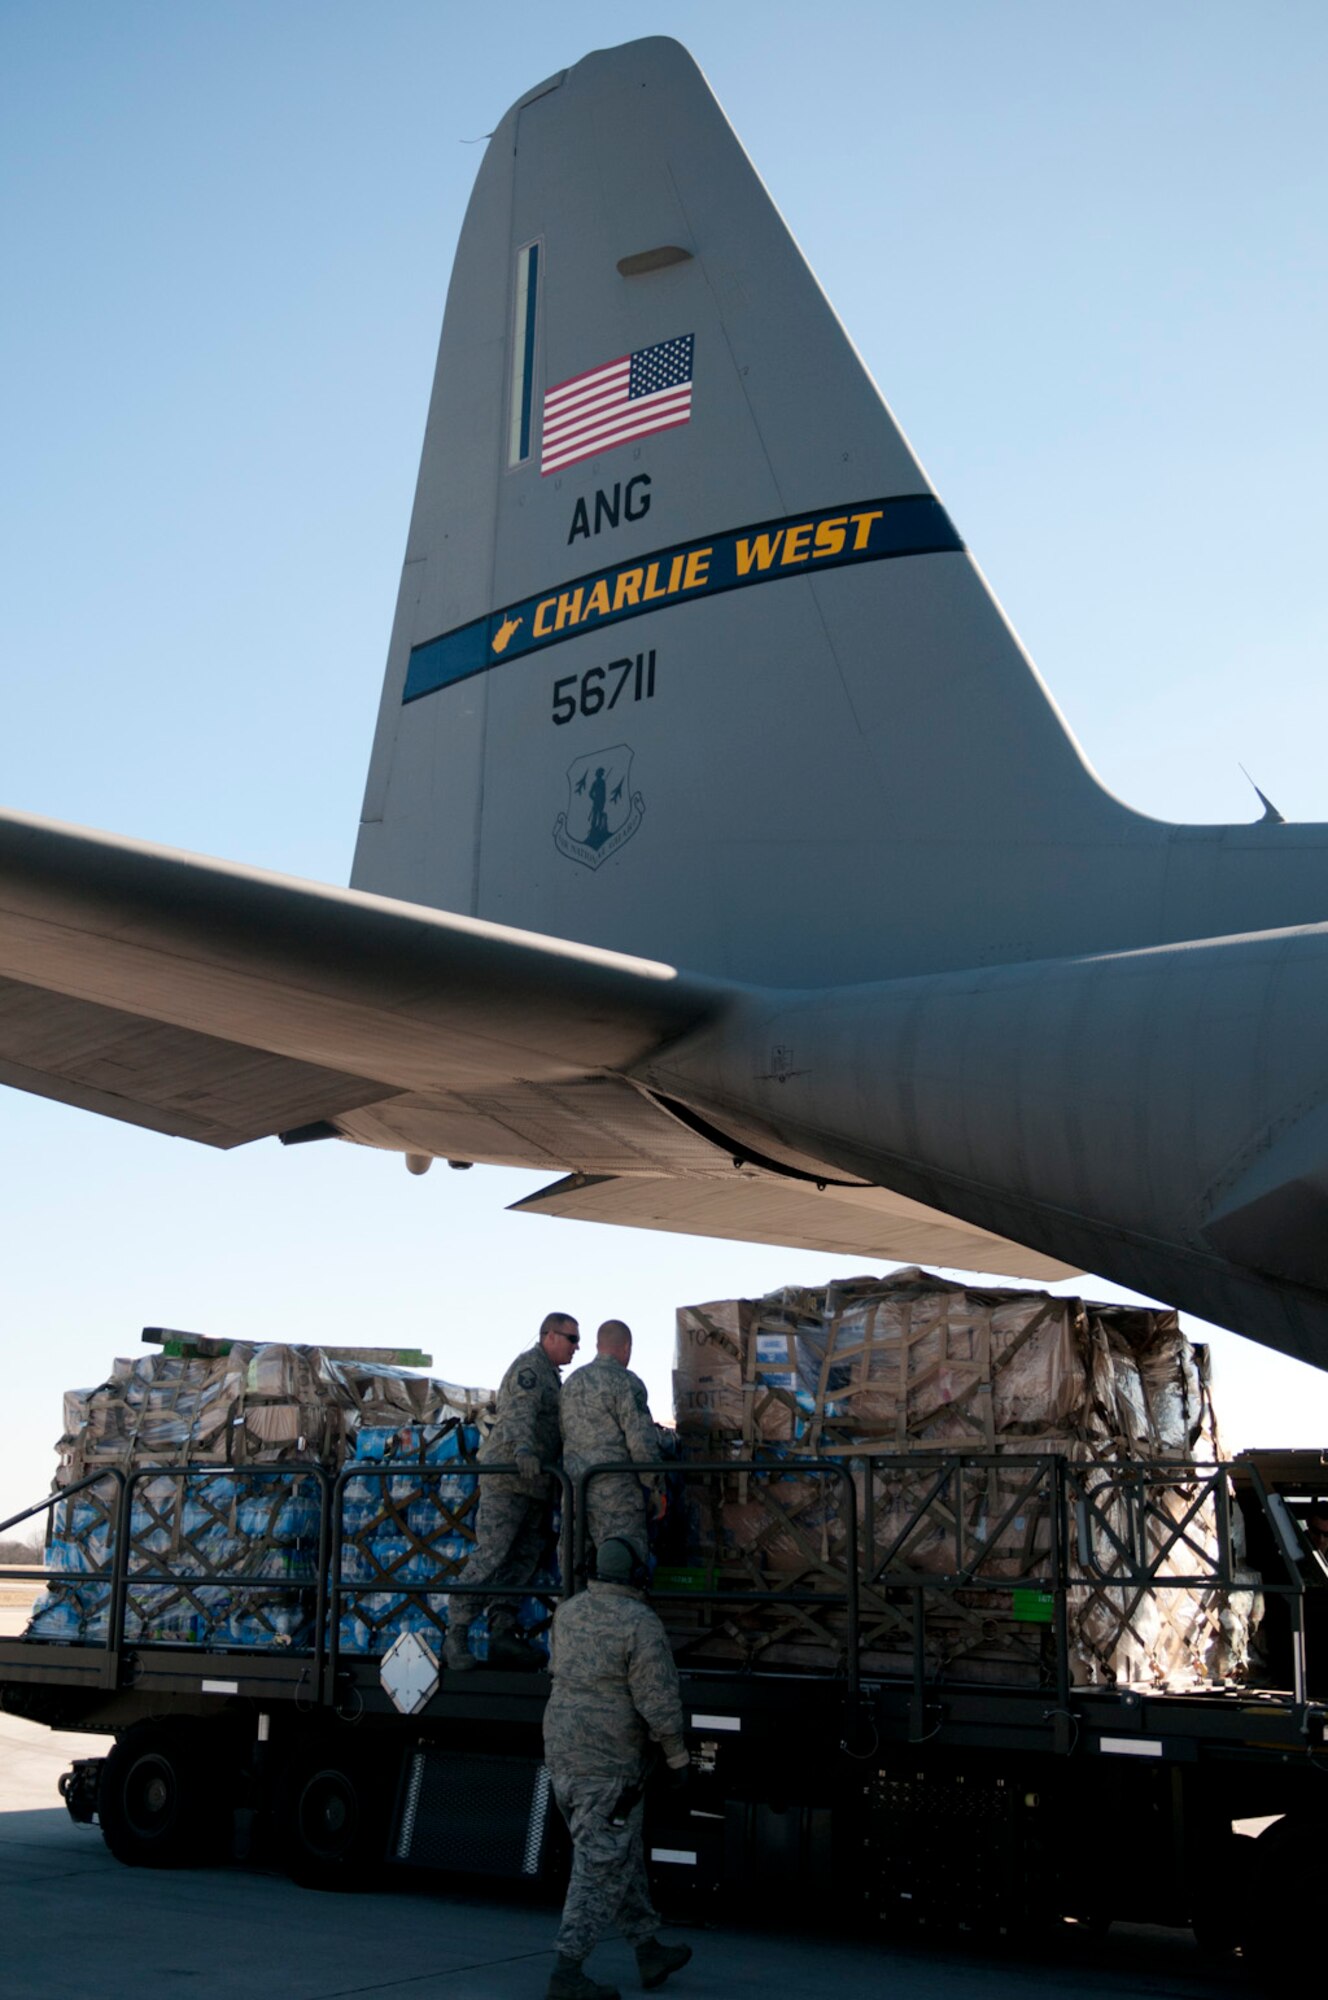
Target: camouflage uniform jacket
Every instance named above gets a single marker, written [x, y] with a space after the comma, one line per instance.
[527, 1419]
[605, 1416]
[615, 1687]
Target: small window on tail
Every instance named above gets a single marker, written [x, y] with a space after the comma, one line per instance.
[523, 353]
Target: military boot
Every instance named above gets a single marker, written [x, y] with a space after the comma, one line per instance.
[655, 1961]
[569, 1982]
[513, 1655]
[457, 1656]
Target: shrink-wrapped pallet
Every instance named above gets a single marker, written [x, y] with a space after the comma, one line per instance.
[914, 1361]
[230, 1515]
[873, 1376]
[246, 1403]
[408, 1518]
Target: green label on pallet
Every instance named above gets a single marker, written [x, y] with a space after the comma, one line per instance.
[1034, 1607]
[682, 1579]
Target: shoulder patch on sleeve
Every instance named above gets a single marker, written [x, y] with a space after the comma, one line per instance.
[525, 1378]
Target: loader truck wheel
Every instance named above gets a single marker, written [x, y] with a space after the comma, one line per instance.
[1285, 1934]
[153, 1803]
[331, 1820]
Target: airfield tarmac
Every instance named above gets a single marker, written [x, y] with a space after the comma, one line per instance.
[78, 1924]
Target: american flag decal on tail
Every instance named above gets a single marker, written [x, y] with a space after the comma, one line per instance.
[625, 399]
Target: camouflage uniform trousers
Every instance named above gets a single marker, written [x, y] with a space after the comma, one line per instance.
[608, 1890]
[615, 1510]
[510, 1532]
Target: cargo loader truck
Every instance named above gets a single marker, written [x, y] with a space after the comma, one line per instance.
[908, 1790]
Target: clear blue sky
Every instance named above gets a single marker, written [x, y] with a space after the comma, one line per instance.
[1082, 251]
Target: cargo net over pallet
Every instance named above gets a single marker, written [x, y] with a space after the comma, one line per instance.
[233, 1403]
[80, 1540]
[235, 1544]
[241, 1551]
[238, 1532]
[408, 1512]
[954, 1558]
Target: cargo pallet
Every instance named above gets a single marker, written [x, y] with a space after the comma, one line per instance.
[915, 1797]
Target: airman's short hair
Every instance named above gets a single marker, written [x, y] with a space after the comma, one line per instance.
[613, 1334]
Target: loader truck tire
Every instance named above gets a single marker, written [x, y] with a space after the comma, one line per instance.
[332, 1812]
[156, 1805]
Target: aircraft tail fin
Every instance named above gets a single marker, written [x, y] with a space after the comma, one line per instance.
[688, 657]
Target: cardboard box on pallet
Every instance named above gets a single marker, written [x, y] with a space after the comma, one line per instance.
[243, 1402]
[912, 1359]
[868, 1372]
[238, 1531]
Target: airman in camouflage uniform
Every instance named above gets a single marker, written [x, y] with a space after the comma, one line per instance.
[615, 1696]
[606, 1417]
[511, 1520]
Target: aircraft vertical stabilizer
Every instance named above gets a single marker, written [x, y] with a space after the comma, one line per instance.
[688, 656]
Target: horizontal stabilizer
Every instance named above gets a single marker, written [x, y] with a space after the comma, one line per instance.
[752, 1207]
[223, 1003]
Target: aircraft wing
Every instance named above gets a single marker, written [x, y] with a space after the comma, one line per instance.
[224, 1003]
[751, 1206]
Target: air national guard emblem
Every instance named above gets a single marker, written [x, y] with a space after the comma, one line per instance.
[603, 812]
